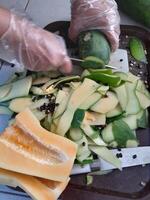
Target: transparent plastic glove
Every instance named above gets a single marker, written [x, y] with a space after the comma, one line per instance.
[35, 48]
[96, 14]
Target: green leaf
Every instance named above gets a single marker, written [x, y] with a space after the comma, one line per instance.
[122, 133]
[137, 49]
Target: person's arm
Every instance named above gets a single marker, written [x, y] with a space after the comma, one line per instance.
[35, 48]
[4, 20]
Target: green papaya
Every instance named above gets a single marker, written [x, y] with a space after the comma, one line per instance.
[93, 43]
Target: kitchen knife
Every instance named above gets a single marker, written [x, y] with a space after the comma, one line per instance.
[128, 156]
[118, 61]
[77, 61]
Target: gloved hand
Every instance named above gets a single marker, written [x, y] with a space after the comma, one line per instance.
[95, 14]
[35, 48]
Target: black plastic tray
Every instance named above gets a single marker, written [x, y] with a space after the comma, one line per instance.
[131, 183]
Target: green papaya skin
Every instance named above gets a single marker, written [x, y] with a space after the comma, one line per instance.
[139, 10]
[94, 43]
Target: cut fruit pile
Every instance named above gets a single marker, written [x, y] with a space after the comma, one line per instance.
[98, 110]
[29, 149]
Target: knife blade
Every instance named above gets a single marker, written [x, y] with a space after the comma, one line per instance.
[129, 157]
[118, 61]
[77, 61]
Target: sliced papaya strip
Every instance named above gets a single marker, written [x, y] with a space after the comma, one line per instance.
[87, 88]
[19, 88]
[4, 90]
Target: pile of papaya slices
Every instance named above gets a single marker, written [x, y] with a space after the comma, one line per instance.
[61, 120]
